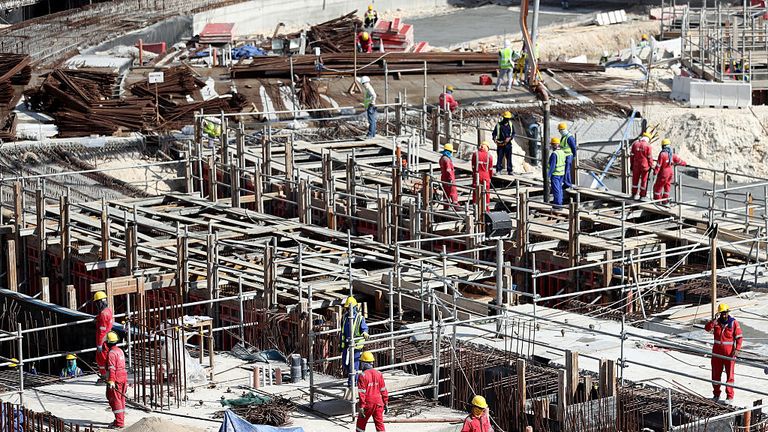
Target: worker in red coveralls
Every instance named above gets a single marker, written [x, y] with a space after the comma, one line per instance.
[104, 321]
[446, 100]
[373, 395]
[117, 380]
[641, 163]
[478, 419]
[482, 171]
[664, 171]
[728, 339]
[364, 43]
[448, 176]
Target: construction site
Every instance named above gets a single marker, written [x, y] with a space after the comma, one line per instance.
[201, 170]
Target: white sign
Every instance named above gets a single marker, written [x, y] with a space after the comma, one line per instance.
[156, 77]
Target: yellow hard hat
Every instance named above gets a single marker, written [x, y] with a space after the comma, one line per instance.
[723, 307]
[554, 140]
[112, 337]
[507, 115]
[448, 147]
[365, 36]
[666, 142]
[71, 357]
[350, 301]
[562, 126]
[647, 135]
[450, 88]
[367, 357]
[484, 144]
[14, 362]
[479, 401]
[99, 295]
[645, 37]
[370, 7]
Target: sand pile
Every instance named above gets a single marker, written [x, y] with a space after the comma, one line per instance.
[156, 424]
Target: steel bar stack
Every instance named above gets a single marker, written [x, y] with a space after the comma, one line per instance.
[15, 73]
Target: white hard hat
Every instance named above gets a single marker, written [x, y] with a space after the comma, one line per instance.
[365, 79]
[507, 43]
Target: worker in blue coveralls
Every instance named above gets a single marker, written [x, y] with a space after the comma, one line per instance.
[503, 136]
[556, 171]
[568, 144]
[354, 330]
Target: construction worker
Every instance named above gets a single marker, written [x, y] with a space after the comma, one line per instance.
[478, 419]
[507, 58]
[664, 171]
[519, 70]
[373, 395]
[104, 322]
[643, 41]
[354, 331]
[446, 100]
[371, 17]
[641, 162]
[568, 144]
[12, 364]
[369, 103]
[728, 340]
[212, 129]
[70, 370]
[364, 43]
[117, 379]
[482, 171]
[556, 171]
[448, 176]
[503, 136]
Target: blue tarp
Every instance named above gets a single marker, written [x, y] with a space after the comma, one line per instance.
[247, 51]
[234, 423]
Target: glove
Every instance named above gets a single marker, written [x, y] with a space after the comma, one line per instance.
[386, 409]
[111, 385]
[99, 348]
[361, 411]
[366, 335]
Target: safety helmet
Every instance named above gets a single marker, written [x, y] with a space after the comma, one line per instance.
[365, 79]
[647, 135]
[370, 7]
[350, 301]
[644, 37]
[723, 307]
[366, 36]
[554, 140]
[450, 88]
[112, 337]
[666, 142]
[507, 115]
[71, 357]
[448, 147]
[484, 144]
[367, 357]
[14, 362]
[479, 401]
[507, 43]
[99, 295]
[562, 126]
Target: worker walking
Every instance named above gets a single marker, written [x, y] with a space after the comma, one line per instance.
[354, 332]
[556, 171]
[503, 136]
[369, 103]
[478, 419]
[568, 145]
[641, 162]
[728, 340]
[448, 176]
[371, 17]
[507, 58]
[446, 102]
[71, 370]
[104, 322]
[364, 43]
[482, 171]
[117, 379]
[664, 171]
[372, 392]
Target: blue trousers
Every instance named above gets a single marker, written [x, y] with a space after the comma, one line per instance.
[502, 153]
[371, 112]
[567, 177]
[345, 367]
[556, 187]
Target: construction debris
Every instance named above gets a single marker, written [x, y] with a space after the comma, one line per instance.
[261, 410]
[15, 73]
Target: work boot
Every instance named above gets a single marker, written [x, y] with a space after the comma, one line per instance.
[728, 402]
[716, 398]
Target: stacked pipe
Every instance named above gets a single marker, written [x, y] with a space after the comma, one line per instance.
[178, 80]
[334, 36]
[15, 73]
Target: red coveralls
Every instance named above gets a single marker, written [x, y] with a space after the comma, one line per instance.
[446, 101]
[727, 341]
[477, 424]
[664, 173]
[104, 321]
[642, 162]
[373, 396]
[448, 177]
[119, 376]
[366, 46]
[482, 171]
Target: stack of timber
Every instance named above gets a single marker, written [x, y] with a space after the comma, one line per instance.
[15, 73]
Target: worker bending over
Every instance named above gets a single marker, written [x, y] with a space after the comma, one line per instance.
[568, 145]
[478, 419]
[372, 392]
[364, 43]
[556, 171]
[643, 41]
[369, 103]
[641, 162]
[728, 339]
[354, 332]
[371, 17]
[446, 100]
[503, 136]
[117, 379]
[664, 171]
[104, 322]
[448, 176]
[71, 370]
[482, 171]
[507, 58]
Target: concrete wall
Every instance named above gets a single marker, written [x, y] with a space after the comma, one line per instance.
[261, 16]
[170, 31]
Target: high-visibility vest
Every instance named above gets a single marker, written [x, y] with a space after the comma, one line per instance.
[505, 58]
[211, 129]
[368, 99]
[564, 144]
[560, 164]
[357, 335]
[370, 16]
